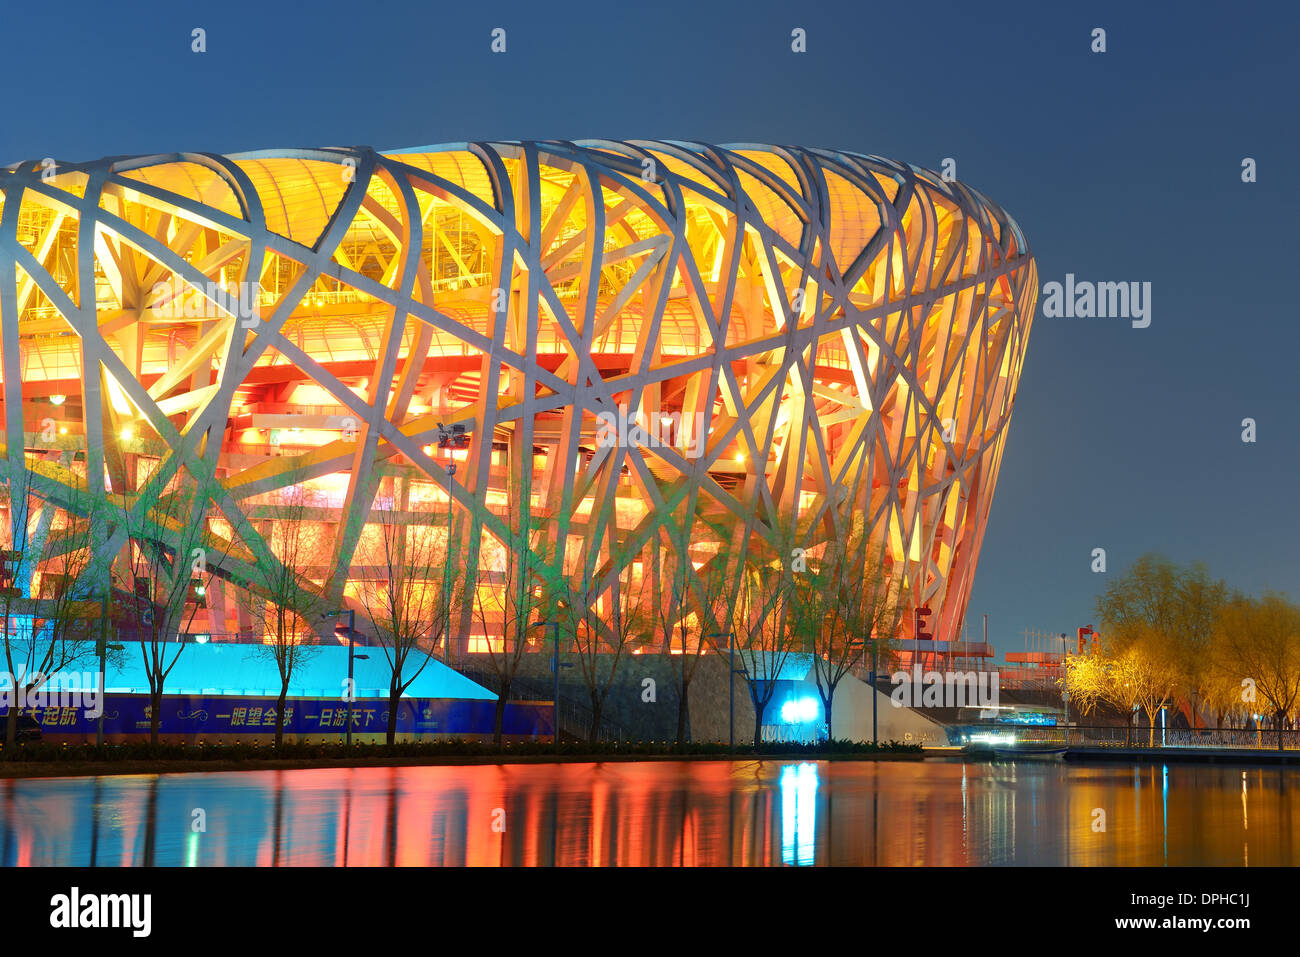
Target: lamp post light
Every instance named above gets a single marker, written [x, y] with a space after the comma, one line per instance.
[1065, 686]
[446, 570]
[731, 684]
[875, 738]
[555, 666]
[352, 641]
[103, 648]
[453, 437]
[352, 656]
[352, 688]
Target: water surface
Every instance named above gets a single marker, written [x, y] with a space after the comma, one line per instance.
[663, 813]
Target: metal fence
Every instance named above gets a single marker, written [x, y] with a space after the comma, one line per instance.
[1118, 736]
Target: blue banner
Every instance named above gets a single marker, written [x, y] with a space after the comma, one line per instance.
[218, 715]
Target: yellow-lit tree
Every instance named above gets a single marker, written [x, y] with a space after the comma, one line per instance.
[1167, 611]
[1260, 641]
[1086, 679]
[1146, 674]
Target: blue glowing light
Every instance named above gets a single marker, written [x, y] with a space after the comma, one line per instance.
[800, 710]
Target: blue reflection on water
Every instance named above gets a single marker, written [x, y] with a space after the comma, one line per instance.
[798, 814]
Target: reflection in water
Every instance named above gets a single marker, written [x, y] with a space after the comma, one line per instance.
[659, 813]
[798, 813]
[1245, 822]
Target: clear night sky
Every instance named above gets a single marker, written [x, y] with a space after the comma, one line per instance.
[1123, 166]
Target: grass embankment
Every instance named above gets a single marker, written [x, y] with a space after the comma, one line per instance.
[56, 760]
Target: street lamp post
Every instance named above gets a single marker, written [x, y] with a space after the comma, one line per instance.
[103, 647]
[555, 666]
[875, 737]
[450, 438]
[1065, 687]
[352, 640]
[352, 688]
[872, 678]
[103, 650]
[446, 571]
[731, 685]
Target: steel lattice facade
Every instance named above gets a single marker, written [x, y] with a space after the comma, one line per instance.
[801, 335]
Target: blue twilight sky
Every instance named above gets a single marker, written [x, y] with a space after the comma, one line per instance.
[1122, 166]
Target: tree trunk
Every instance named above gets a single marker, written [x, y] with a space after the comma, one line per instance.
[760, 707]
[394, 698]
[499, 716]
[830, 706]
[155, 714]
[594, 735]
[683, 712]
[1280, 716]
[279, 715]
[11, 731]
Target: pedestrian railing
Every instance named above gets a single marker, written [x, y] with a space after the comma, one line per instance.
[1232, 738]
[1118, 736]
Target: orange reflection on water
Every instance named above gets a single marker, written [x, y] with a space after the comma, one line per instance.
[661, 813]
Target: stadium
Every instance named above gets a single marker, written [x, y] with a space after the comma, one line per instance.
[301, 379]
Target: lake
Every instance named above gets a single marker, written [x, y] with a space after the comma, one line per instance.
[764, 813]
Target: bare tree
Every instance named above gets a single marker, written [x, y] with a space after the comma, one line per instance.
[845, 601]
[609, 618]
[513, 583]
[401, 590]
[692, 605]
[166, 566]
[767, 626]
[45, 589]
[285, 593]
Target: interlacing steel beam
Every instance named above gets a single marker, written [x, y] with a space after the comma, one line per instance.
[648, 344]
